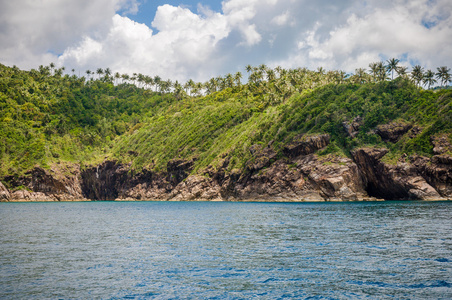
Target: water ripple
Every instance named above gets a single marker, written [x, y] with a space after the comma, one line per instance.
[157, 250]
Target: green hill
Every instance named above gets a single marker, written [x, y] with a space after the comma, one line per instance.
[48, 117]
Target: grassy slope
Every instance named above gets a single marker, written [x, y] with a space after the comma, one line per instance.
[208, 129]
[46, 119]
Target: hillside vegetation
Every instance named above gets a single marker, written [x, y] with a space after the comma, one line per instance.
[47, 117]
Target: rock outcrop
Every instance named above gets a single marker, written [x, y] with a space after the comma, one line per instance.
[441, 144]
[352, 128]
[304, 145]
[401, 181]
[298, 175]
[60, 183]
[393, 131]
[4, 193]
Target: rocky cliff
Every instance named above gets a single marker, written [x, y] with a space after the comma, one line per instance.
[297, 175]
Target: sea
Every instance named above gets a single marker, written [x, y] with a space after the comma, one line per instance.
[226, 250]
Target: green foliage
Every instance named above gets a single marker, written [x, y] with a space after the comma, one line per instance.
[47, 118]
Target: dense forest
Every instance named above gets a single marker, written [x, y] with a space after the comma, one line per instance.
[48, 116]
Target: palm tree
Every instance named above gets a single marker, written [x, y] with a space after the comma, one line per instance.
[443, 75]
[237, 78]
[88, 73]
[417, 74]
[59, 72]
[148, 81]
[392, 66]
[321, 70]
[429, 78]
[141, 79]
[99, 72]
[52, 67]
[157, 82]
[374, 70]
[178, 90]
[381, 69]
[117, 76]
[402, 71]
[165, 86]
[229, 80]
[125, 77]
[107, 73]
[263, 68]
[211, 86]
[340, 76]
[360, 75]
[271, 76]
[189, 86]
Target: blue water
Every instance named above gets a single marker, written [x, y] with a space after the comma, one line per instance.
[205, 250]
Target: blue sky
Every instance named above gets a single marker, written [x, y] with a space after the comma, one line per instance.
[148, 8]
[190, 39]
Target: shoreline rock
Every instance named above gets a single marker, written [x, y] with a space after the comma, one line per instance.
[300, 176]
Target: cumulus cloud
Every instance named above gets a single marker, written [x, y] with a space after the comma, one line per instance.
[183, 44]
[34, 32]
[398, 30]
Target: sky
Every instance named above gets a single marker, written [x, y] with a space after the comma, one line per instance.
[189, 39]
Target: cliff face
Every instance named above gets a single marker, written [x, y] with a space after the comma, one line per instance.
[300, 175]
[58, 183]
[401, 181]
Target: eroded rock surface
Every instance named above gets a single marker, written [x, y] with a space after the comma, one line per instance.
[61, 182]
[393, 131]
[352, 128]
[401, 181]
[304, 145]
[300, 175]
[4, 193]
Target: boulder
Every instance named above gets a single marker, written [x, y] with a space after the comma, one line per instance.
[393, 131]
[304, 145]
[4, 193]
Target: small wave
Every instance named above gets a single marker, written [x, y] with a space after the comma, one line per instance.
[436, 284]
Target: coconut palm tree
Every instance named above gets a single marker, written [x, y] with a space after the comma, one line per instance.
[52, 67]
[443, 75]
[374, 70]
[88, 73]
[178, 90]
[148, 81]
[141, 79]
[360, 75]
[117, 76]
[107, 73]
[249, 68]
[238, 78]
[429, 78]
[270, 74]
[402, 71]
[381, 71]
[157, 82]
[417, 74]
[229, 80]
[99, 72]
[392, 66]
[165, 86]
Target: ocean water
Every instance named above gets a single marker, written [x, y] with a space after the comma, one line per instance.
[219, 250]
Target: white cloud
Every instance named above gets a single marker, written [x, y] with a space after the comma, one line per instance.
[87, 34]
[35, 32]
[179, 50]
[388, 31]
